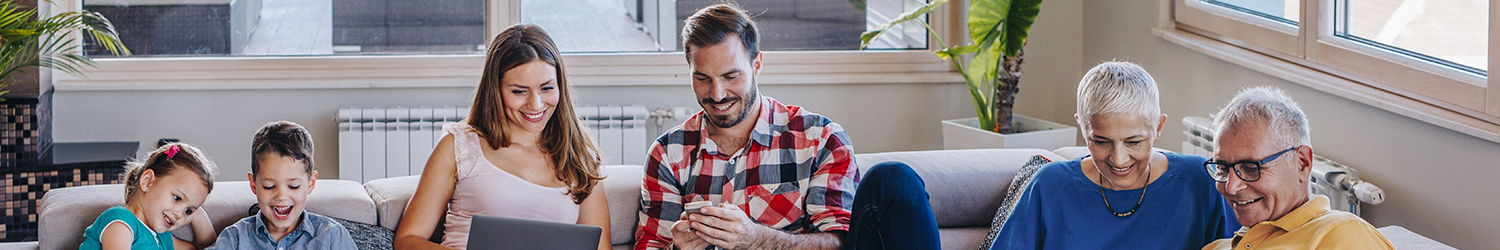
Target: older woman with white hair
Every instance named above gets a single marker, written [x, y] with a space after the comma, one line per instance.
[1125, 194]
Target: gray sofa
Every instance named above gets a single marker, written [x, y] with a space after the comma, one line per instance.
[973, 183]
[966, 187]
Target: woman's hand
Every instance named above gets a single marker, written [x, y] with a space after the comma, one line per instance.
[203, 232]
[203, 229]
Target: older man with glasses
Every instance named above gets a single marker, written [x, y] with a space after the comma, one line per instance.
[1263, 165]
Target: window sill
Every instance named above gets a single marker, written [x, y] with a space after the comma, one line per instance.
[442, 71]
[1484, 128]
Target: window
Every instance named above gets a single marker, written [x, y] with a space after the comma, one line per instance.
[438, 43]
[1285, 11]
[1428, 52]
[1258, 22]
[293, 27]
[654, 25]
[1451, 32]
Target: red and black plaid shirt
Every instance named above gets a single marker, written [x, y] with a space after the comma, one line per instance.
[797, 174]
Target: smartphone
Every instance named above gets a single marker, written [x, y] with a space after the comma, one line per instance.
[696, 207]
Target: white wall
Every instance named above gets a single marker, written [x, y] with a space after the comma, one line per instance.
[878, 117]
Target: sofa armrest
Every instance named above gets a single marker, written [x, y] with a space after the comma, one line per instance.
[63, 213]
[390, 196]
[1402, 238]
[966, 186]
[28, 245]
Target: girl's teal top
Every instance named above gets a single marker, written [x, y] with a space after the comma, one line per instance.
[144, 237]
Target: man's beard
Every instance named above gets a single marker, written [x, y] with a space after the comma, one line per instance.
[725, 121]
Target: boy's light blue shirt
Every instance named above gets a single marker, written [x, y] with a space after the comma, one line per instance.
[314, 232]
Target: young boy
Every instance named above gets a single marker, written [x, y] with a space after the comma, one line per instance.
[281, 174]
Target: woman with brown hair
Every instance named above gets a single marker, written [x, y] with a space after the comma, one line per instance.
[521, 153]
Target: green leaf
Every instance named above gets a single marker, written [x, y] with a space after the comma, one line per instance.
[955, 52]
[1006, 22]
[869, 36]
[1018, 25]
[985, 62]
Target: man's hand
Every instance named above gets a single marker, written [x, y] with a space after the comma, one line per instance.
[727, 226]
[683, 236]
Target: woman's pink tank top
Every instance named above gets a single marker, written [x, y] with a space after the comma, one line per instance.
[483, 188]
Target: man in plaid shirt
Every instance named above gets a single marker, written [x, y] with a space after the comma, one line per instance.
[779, 176]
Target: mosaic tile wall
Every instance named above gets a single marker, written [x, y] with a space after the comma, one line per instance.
[23, 190]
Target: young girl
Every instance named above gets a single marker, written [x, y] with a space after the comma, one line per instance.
[162, 193]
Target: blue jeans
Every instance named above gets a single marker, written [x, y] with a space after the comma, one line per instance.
[891, 211]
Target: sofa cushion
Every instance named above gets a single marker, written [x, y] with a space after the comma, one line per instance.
[1070, 153]
[65, 212]
[368, 236]
[390, 196]
[962, 238]
[622, 187]
[966, 186]
[1012, 195]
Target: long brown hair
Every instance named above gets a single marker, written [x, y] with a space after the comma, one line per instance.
[573, 153]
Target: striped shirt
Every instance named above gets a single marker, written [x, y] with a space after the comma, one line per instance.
[797, 174]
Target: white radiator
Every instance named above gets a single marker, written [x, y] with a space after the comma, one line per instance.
[382, 142]
[620, 132]
[1340, 183]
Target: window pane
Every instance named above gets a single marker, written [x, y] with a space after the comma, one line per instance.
[655, 25]
[293, 27]
[1452, 32]
[1285, 11]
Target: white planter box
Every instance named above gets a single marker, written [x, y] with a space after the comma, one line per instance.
[1034, 133]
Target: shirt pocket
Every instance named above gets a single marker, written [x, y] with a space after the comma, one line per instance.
[777, 204]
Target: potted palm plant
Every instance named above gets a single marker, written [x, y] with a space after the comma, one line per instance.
[998, 30]
[30, 42]
[27, 40]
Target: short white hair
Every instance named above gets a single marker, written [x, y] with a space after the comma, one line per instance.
[1269, 106]
[1117, 88]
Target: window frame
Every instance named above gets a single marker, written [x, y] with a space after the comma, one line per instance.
[1415, 87]
[1239, 26]
[461, 70]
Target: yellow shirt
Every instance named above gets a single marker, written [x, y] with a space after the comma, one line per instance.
[1312, 226]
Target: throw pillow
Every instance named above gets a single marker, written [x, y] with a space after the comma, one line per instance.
[368, 236]
[1017, 187]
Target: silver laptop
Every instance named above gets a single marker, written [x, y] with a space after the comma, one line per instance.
[500, 233]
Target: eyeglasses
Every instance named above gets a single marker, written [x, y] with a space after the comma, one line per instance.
[1249, 171]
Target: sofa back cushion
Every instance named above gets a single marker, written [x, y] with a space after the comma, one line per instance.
[966, 186]
[65, 212]
[622, 187]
